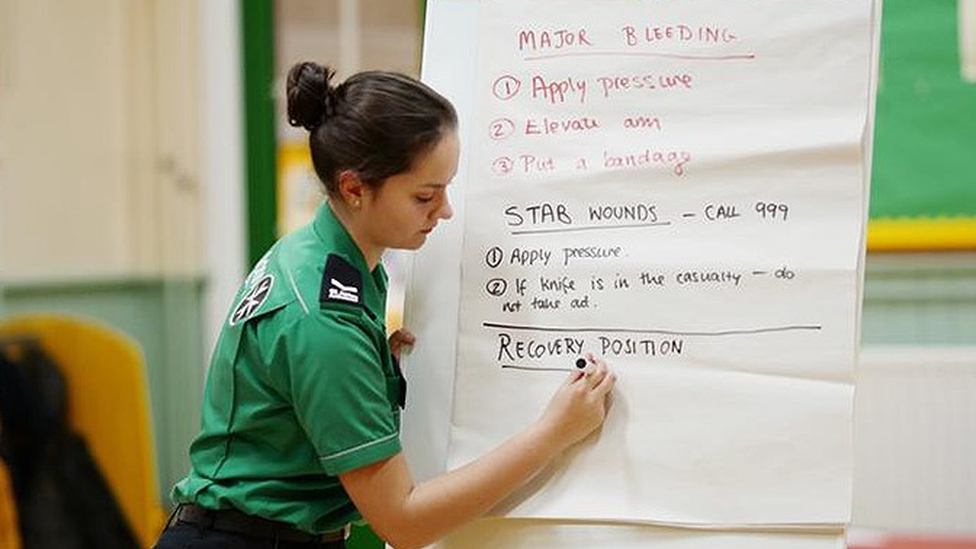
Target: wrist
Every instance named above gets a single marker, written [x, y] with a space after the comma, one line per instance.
[547, 437]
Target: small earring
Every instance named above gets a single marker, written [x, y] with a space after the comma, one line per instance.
[355, 203]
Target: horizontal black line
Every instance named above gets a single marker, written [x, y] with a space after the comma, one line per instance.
[688, 215]
[592, 228]
[643, 54]
[747, 331]
[537, 368]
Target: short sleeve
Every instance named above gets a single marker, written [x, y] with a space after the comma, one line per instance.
[339, 391]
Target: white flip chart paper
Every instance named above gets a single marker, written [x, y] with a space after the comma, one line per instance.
[679, 187]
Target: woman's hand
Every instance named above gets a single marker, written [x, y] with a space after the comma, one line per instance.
[580, 404]
[406, 515]
[400, 338]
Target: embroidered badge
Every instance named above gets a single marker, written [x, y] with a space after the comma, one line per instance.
[259, 270]
[253, 300]
[337, 290]
[341, 282]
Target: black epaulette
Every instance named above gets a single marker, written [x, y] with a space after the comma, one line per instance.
[341, 282]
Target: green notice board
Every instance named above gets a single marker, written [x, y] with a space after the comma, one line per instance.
[923, 191]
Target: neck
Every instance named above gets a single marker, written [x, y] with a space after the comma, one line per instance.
[371, 253]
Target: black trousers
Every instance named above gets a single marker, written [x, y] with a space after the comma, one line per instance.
[182, 535]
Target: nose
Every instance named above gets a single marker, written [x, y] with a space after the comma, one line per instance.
[445, 211]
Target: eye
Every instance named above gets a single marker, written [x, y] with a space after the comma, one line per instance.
[423, 199]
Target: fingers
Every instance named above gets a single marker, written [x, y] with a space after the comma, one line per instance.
[605, 385]
[596, 370]
[596, 378]
[399, 339]
[403, 337]
[574, 377]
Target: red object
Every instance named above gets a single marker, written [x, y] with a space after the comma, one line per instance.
[917, 542]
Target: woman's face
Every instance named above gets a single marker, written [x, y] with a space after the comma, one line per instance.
[409, 205]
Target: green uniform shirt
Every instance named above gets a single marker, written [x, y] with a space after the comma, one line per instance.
[301, 387]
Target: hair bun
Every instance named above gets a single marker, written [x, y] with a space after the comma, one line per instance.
[310, 96]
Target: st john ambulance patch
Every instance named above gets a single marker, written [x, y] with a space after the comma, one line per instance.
[252, 301]
[341, 282]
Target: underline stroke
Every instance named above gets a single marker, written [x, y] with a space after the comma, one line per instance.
[747, 331]
[590, 228]
[730, 57]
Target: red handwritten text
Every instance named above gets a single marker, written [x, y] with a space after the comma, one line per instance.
[556, 91]
[642, 123]
[675, 160]
[613, 84]
[535, 40]
[676, 33]
[548, 126]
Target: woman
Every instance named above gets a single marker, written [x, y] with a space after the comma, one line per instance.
[301, 411]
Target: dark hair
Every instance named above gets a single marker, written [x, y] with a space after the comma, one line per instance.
[376, 123]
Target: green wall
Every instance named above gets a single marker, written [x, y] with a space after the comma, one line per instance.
[260, 137]
[925, 128]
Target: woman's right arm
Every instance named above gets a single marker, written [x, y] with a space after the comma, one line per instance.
[407, 515]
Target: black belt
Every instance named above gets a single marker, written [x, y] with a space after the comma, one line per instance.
[236, 522]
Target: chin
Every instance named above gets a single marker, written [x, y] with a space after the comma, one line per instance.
[418, 242]
[412, 244]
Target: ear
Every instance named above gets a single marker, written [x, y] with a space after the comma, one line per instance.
[351, 188]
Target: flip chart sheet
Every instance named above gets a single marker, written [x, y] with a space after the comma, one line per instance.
[678, 187]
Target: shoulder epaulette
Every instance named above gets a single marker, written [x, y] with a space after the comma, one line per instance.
[341, 282]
